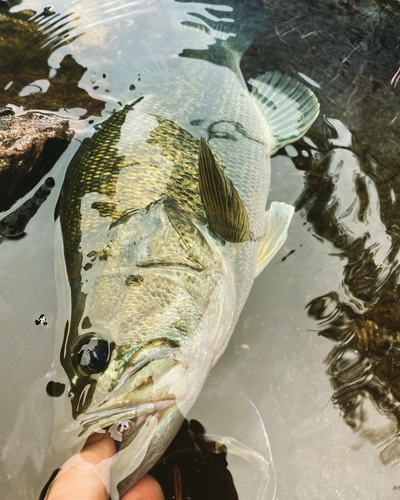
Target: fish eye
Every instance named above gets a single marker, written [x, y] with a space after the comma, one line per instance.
[93, 355]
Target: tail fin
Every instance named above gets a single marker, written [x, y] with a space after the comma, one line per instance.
[288, 107]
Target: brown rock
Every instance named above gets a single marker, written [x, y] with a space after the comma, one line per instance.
[29, 147]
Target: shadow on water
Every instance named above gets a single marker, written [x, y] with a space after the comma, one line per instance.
[194, 467]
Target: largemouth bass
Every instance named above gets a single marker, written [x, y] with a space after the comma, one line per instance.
[164, 228]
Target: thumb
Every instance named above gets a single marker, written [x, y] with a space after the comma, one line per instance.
[147, 488]
[86, 475]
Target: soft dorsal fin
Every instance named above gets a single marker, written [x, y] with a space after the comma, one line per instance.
[288, 106]
[226, 214]
[277, 220]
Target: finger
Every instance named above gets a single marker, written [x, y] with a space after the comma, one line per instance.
[147, 488]
[86, 475]
[98, 447]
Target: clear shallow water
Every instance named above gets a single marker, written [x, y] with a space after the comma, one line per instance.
[345, 243]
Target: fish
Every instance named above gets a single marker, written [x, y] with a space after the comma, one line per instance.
[162, 226]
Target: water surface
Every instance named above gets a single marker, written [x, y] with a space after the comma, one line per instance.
[315, 355]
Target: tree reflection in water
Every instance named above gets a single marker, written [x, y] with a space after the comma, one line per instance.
[362, 316]
[349, 53]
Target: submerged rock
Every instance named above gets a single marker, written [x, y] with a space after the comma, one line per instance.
[27, 41]
[29, 147]
[14, 224]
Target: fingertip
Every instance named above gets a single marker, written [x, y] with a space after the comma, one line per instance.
[95, 438]
[98, 447]
[87, 474]
[147, 488]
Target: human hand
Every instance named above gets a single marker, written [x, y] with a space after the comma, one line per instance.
[73, 483]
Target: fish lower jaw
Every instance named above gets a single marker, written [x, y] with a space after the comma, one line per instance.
[116, 419]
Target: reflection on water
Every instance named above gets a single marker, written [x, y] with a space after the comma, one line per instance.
[349, 162]
[28, 79]
[362, 314]
[349, 53]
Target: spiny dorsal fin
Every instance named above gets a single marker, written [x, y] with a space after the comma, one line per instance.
[226, 214]
[288, 106]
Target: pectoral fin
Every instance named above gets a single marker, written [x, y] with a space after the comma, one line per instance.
[226, 214]
[277, 222]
